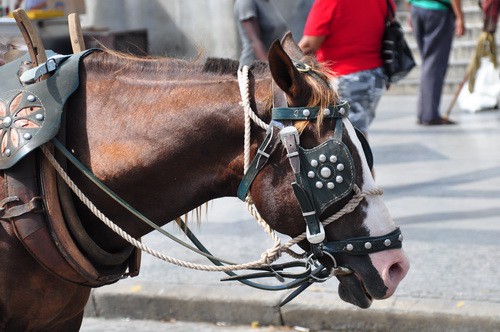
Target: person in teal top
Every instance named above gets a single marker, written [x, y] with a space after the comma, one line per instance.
[434, 22]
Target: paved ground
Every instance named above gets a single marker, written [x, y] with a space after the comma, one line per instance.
[442, 186]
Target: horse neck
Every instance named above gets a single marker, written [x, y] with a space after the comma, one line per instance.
[166, 145]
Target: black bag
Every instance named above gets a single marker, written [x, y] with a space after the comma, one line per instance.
[397, 56]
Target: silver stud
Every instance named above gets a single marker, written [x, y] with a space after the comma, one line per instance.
[322, 158]
[306, 112]
[339, 179]
[7, 121]
[327, 111]
[27, 136]
[333, 159]
[310, 174]
[340, 167]
[368, 245]
[319, 184]
[7, 152]
[326, 172]
[31, 98]
[349, 247]
[39, 116]
[387, 242]
[330, 185]
[314, 163]
[341, 111]
[400, 237]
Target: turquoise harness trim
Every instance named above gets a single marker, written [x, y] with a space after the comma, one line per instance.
[31, 115]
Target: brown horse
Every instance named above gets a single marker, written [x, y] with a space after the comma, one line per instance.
[167, 137]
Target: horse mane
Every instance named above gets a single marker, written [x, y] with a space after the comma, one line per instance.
[158, 67]
[230, 66]
[161, 68]
[323, 93]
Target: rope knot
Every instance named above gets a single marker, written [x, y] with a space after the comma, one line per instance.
[270, 255]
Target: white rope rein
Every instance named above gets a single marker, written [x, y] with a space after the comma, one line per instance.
[268, 256]
[244, 82]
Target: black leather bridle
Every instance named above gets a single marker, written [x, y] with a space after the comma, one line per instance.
[323, 175]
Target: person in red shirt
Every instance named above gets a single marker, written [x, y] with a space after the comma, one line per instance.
[347, 36]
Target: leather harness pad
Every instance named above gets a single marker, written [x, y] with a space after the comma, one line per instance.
[329, 170]
[31, 115]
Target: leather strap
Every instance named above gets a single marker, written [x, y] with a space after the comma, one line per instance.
[49, 66]
[31, 228]
[341, 110]
[263, 153]
[35, 205]
[366, 245]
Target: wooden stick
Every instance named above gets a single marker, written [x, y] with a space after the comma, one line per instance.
[31, 37]
[75, 33]
[455, 96]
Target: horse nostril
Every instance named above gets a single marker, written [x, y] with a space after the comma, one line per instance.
[395, 272]
[392, 266]
[398, 271]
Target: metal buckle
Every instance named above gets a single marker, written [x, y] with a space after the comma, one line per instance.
[318, 237]
[287, 132]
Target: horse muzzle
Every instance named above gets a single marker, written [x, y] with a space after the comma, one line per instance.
[363, 286]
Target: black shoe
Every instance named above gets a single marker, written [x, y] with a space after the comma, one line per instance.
[436, 122]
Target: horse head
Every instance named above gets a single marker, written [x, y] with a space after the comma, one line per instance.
[321, 182]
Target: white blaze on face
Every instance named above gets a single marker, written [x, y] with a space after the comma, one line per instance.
[378, 219]
[392, 265]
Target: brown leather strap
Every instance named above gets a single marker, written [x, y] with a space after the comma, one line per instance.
[30, 227]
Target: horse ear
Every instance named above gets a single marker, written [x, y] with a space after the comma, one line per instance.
[284, 73]
[291, 47]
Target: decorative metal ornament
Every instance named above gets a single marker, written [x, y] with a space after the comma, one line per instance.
[326, 172]
[7, 121]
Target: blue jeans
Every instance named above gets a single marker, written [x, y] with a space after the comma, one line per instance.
[363, 90]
